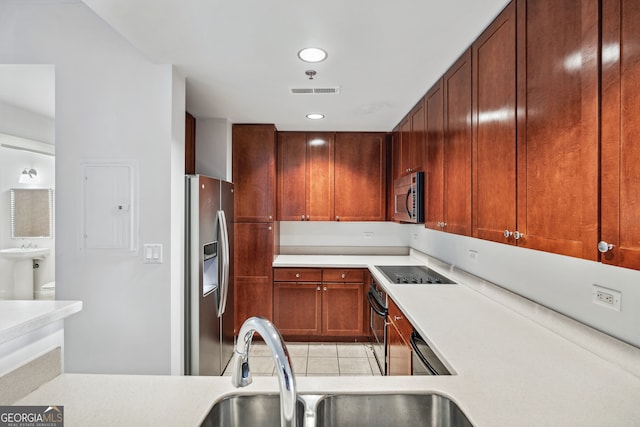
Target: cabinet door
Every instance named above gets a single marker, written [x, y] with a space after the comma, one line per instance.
[360, 176]
[320, 169]
[620, 173]
[189, 144]
[434, 174]
[253, 276]
[398, 352]
[494, 119]
[254, 172]
[292, 159]
[405, 146]
[417, 140]
[297, 308]
[558, 126]
[342, 308]
[457, 147]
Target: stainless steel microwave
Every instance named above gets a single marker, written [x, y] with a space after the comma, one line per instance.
[408, 198]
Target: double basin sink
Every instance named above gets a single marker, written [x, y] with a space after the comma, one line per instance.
[353, 410]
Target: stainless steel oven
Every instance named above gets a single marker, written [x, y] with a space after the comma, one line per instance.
[424, 360]
[378, 323]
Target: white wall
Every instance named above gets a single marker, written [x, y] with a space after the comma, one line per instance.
[213, 147]
[111, 103]
[331, 233]
[559, 282]
[27, 124]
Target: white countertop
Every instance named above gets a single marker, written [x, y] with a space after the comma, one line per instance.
[509, 370]
[21, 317]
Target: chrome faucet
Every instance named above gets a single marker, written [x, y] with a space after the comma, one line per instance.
[241, 375]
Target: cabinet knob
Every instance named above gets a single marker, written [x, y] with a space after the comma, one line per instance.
[308, 218]
[507, 233]
[302, 217]
[325, 289]
[605, 247]
[318, 288]
[343, 275]
[270, 228]
[396, 318]
[297, 275]
[337, 218]
[444, 224]
[517, 235]
[270, 217]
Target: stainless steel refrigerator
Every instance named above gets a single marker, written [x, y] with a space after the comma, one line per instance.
[208, 275]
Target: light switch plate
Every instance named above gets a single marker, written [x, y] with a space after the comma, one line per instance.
[152, 253]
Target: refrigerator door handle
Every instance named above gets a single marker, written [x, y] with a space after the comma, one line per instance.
[224, 279]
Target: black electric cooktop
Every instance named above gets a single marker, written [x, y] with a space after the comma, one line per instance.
[413, 274]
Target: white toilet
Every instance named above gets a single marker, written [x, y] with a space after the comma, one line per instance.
[46, 292]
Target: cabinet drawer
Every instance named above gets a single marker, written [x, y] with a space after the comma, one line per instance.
[297, 274]
[346, 275]
[400, 320]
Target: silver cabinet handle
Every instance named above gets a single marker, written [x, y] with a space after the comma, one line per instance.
[605, 247]
[397, 317]
[507, 233]
[517, 235]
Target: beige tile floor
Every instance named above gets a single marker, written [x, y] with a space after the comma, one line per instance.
[317, 359]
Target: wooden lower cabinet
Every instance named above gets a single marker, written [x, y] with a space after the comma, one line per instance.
[319, 303]
[399, 352]
[297, 308]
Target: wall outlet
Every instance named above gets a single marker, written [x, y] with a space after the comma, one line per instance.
[473, 255]
[367, 235]
[606, 297]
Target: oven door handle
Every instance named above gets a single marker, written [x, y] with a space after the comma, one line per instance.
[406, 203]
[374, 305]
[415, 337]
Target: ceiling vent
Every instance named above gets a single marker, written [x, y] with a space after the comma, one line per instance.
[316, 91]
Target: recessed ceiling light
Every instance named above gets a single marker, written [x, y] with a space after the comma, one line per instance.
[312, 54]
[315, 116]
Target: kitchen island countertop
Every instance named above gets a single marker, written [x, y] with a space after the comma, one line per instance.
[509, 370]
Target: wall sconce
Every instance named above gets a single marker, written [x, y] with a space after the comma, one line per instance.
[27, 175]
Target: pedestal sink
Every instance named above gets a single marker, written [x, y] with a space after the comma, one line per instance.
[23, 268]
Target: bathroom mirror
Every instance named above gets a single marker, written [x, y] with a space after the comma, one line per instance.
[31, 213]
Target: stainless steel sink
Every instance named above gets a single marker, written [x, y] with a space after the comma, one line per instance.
[249, 410]
[352, 410]
[368, 410]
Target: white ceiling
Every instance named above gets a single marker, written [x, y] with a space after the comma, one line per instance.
[30, 87]
[239, 56]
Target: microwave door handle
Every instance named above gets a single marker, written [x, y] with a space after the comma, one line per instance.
[415, 337]
[224, 282]
[406, 203]
[374, 305]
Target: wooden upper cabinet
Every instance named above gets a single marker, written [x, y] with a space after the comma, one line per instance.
[558, 126]
[305, 176]
[254, 172]
[360, 176]
[620, 151]
[457, 146]
[405, 146]
[418, 136]
[410, 142]
[434, 174]
[494, 130]
[189, 144]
